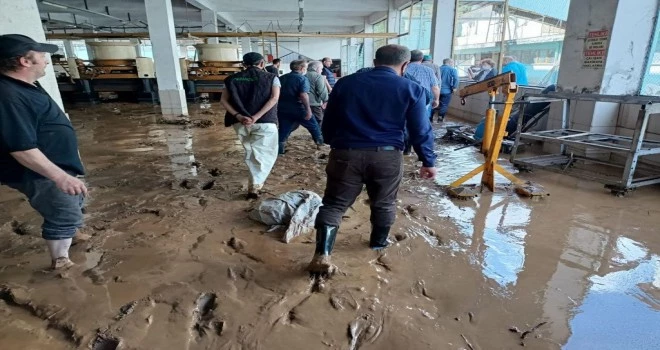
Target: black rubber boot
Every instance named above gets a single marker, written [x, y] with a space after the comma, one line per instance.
[378, 239]
[325, 241]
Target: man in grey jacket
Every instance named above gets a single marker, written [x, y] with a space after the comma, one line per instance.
[318, 92]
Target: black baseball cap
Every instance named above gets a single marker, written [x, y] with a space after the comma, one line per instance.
[252, 58]
[14, 45]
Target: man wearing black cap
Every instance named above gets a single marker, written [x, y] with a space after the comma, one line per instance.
[250, 98]
[38, 146]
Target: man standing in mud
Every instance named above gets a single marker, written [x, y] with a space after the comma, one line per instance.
[250, 98]
[367, 141]
[38, 146]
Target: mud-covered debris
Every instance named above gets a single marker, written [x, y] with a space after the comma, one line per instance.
[237, 243]
[471, 316]
[231, 273]
[215, 172]
[24, 229]
[514, 330]
[105, 342]
[118, 279]
[209, 185]
[173, 121]
[532, 330]
[247, 274]
[467, 342]
[203, 123]
[400, 236]
[126, 310]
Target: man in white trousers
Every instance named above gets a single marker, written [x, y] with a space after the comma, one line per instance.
[250, 98]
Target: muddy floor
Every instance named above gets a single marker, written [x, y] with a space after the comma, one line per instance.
[175, 263]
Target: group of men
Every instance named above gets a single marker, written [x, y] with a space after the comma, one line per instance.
[39, 151]
[367, 139]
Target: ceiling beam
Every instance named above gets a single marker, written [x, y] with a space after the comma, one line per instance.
[145, 35]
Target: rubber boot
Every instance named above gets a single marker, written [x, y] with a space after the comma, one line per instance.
[325, 241]
[281, 148]
[378, 239]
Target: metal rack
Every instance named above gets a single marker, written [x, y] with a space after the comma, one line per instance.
[633, 174]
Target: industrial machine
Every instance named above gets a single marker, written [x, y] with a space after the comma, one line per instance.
[114, 69]
[494, 131]
[215, 62]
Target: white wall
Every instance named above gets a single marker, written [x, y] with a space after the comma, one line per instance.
[317, 48]
[22, 17]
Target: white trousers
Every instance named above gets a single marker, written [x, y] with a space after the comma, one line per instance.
[260, 143]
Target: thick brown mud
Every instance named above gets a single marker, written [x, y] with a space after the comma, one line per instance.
[175, 263]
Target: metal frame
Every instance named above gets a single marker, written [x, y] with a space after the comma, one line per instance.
[631, 147]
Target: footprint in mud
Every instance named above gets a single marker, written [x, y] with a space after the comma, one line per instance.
[203, 317]
[342, 300]
[364, 330]
[419, 290]
[105, 342]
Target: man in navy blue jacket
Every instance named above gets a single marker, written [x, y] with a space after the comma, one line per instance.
[364, 124]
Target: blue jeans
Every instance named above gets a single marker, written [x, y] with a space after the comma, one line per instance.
[62, 212]
[290, 122]
[445, 99]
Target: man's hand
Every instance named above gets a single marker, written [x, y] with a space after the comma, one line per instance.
[247, 121]
[309, 115]
[324, 105]
[71, 185]
[435, 103]
[427, 173]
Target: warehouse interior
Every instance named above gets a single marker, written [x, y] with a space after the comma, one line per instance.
[557, 246]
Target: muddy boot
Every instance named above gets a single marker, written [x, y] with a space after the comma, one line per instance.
[61, 264]
[378, 239]
[325, 241]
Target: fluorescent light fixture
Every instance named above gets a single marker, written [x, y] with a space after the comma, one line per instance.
[54, 4]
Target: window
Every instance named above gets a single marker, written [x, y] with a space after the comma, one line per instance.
[534, 35]
[415, 24]
[651, 81]
[380, 27]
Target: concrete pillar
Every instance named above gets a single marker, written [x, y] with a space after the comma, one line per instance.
[628, 32]
[68, 49]
[246, 45]
[166, 56]
[392, 21]
[442, 29]
[22, 17]
[368, 44]
[138, 47]
[210, 24]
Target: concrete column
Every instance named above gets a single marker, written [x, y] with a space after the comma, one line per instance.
[393, 21]
[22, 17]
[368, 44]
[246, 45]
[210, 24]
[166, 57]
[68, 49]
[138, 47]
[442, 29]
[629, 41]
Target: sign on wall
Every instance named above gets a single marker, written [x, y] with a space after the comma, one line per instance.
[595, 49]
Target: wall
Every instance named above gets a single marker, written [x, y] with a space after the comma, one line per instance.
[317, 48]
[22, 17]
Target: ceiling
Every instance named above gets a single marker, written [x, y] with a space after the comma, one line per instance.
[337, 16]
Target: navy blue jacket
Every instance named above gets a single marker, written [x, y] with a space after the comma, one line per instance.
[372, 109]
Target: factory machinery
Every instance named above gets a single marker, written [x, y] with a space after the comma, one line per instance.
[116, 70]
[206, 75]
